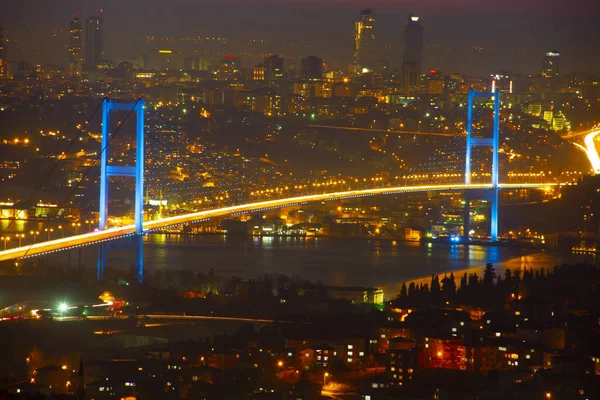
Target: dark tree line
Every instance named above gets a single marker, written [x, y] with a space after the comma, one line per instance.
[574, 284]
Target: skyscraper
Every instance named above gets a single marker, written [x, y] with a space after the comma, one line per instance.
[2, 55]
[75, 60]
[550, 65]
[413, 55]
[311, 68]
[94, 42]
[273, 69]
[364, 41]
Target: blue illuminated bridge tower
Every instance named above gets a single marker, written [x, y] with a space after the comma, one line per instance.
[136, 172]
[490, 194]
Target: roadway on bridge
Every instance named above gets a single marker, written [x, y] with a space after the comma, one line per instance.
[115, 233]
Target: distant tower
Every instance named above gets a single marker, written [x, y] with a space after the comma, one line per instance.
[2, 54]
[94, 42]
[81, 383]
[413, 55]
[75, 60]
[550, 65]
[364, 41]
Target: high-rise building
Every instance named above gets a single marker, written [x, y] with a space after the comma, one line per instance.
[413, 55]
[75, 60]
[3, 71]
[311, 68]
[550, 65]
[273, 69]
[364, 41]
[411, 78]
[94, 42]
[229, 68]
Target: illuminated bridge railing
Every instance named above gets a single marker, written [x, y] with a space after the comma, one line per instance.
[91, 238]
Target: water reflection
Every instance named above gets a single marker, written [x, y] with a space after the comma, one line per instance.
[334, 261]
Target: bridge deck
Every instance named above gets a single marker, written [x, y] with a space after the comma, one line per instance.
[115, 233]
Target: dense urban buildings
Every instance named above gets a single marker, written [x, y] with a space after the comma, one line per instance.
[307, 230]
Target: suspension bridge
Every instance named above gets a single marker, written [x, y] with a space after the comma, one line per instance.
[484, 191]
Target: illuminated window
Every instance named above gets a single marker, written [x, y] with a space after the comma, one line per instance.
[350, 347]
[361, 354]
[349, 360]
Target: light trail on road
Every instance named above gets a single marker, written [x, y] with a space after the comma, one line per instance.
[90, 238]
[591, 150]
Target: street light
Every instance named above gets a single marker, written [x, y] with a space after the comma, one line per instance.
[62, 230]
[6, 239]
[325, 376]
[34, 233]
[89, 222]
[49, 230]
[76, 226]
[20, 236]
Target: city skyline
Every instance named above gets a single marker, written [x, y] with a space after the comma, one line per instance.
[450, 46]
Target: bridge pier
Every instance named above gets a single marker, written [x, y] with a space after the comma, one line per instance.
[102, 254]
[491, 195]
[138, 256]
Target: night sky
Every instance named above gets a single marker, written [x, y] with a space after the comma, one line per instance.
[511, 35]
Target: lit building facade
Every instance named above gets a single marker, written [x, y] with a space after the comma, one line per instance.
[364, 41]
[94, 42]
[75, 37]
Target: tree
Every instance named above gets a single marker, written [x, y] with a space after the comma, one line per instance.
[434, 288]
[488, 276]
[448, 287]
[403, 292]
[508, 276]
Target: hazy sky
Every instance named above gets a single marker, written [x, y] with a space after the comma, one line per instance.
[514, 34]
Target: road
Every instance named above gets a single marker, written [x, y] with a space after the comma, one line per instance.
[90, 238]
[590, 150]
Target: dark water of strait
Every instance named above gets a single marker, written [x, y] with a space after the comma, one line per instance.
[333, 261]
